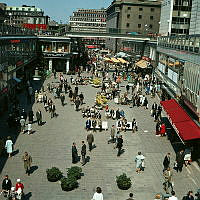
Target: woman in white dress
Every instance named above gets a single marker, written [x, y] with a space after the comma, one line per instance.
[9, 146]
[98, 194]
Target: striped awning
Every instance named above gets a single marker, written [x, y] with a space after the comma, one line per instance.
[115, 60]
[142, 64]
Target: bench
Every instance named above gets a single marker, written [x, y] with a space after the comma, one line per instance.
[104, 126]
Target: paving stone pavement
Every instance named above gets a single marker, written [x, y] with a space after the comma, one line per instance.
[50, 145]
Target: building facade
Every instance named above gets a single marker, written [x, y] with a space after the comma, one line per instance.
[195, 18]
[88, 20]
[175, 17]
[132, 17]
[26, 17]
[179, 71]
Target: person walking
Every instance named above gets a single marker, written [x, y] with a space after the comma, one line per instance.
[6, 186]
[83, 153]
[130, 197]
[168, 180]
[62, 99]
[19, 188]
[27, 159]
[98, 194]
[9, 146]
[180, 160]
[81, 98]
[77, 103]
[139, 159]
[88, 124]
[53, 109]
[162, 130]
[119, 145]
[94, 124]
[90, 140]
[29, 128]
[166, 161]
[39, 117]
[74, 153]
[23, 124]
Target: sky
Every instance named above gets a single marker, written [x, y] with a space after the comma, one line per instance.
[60, 9]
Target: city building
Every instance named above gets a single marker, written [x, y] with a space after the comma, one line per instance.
[195, 18]
[178, 70]
[175, 17]
[88, 20]
[26, 17]
[132, 17]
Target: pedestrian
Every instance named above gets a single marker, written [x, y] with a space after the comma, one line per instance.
[74, 153]
[83, 153]
[29, 128]
[153, 109]
[53, 109]
[134, 125]
[100, 124]
[162, 130]
[94, 124]
[23, 124]
[9, 146]
[81, 98]
[166, 162]
[27, 159]
[30, 116]
[173, 197]
[130, 197]
[90, 140]
[189, 196]
[112, 135]
[168, 180]
[88, 124]
[158, 125]
[62, 99]
[77, 103]
[180, 160]
[6, 186]
[119, 145]
[98, 194]
[19, 187]
[39, 117]
[139, 160]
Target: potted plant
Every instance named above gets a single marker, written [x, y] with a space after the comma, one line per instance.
[75, 172]
[123, 182]
[53, 174]
[69, 183]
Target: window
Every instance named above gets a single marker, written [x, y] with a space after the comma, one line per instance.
[128, 16]
[140, 9]
[151, 17]
[152, 9]
[150, 26]
[129, 8]
[139, 25]
[127, 25]
[140, 16]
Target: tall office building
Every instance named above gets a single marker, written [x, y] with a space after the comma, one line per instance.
[88, 20]
[195, 18]
[175, 17]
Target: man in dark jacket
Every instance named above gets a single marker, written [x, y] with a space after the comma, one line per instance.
[74, 153]
[62, 99]
[119, 145]
[180, 160]
[90, 140]
[166, 161]
[6, 186]
[83, 152]
[39, 117]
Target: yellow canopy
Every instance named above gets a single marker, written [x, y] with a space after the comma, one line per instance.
[107, 59]
[122, 60]
[142, 64]
[115, 60]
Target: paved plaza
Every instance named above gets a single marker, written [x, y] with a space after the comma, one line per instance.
[50, 145]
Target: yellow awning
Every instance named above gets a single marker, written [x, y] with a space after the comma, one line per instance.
[115, 60]
[107, 59]
[122, 60]
[142, 64]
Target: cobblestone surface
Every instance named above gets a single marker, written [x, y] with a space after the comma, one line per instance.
[50, 145]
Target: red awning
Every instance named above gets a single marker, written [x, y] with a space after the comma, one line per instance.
[185, 127]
